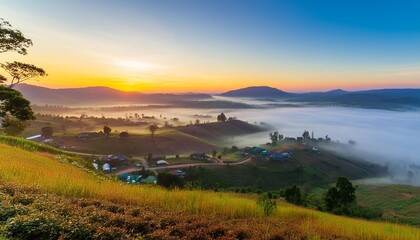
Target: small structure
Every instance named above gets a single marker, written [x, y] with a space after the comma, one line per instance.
[198, 155]
[162, 162]
[278, 156]
[106, 167]
[95, 165]
[128, 178]
[35, 138]
[178, 173]
[257, 150]
[265, 153]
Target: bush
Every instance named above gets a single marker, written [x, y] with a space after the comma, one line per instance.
[267, 204]
[33, 227]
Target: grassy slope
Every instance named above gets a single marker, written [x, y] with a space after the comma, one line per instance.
[303, 168]
[48, 174]
[400, 203]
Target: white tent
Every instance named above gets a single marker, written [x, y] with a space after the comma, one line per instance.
[162, 162]
[106, 167]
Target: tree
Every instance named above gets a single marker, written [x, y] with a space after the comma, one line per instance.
[293, 195]
[267, 204]
[124, 135]
[168, 180]
[11, 39]
[153, 128]
[12, 103]
[214, 153]
[13, 106]
[47, 132]
[274, 137]
[21, 72]
[13, 126]
[107, 130]
[332, 199]
[221, 117]
[346, 191]
[306, 135]
[342, 195]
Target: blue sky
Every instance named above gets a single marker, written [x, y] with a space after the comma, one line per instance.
[293, 45]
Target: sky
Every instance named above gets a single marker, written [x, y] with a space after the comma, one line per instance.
[218, 45]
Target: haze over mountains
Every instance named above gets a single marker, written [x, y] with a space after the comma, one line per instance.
[379, 99]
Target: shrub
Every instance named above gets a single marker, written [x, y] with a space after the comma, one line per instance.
[267, 204]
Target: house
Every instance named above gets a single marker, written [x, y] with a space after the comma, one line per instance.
[257, 150]
[265, 153]
[162, 162]
[149, 179]
[198, 155]
[128, 178]
[178, 172]
[278, 156]
[106, 167]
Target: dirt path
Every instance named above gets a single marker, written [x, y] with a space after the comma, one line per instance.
[187, 165]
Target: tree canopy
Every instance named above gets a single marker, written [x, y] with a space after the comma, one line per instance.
[22, 71]
[12, 39]
[14, 104]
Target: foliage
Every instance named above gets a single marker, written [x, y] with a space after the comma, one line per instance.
[221, 117]
[293, 195]
[107, 130]
[169, 181]
[12, 103]
[13, 126]
[124, 135]
[21, 72]
[153, 128]
[12, 39]
[267, 204]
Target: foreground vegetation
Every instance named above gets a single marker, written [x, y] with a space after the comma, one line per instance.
[46, 174]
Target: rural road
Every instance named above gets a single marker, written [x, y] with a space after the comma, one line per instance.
[133, 169]
[146, 164]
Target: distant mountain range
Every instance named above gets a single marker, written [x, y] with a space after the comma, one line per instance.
[380, 98]
[100, 95]
[103, 96]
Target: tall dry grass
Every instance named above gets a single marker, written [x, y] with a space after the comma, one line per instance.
[48, 174]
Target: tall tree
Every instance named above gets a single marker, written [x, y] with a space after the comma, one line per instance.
[107, 130]
[153, 128]
[13, 106]
[274, 137]
[221, 117]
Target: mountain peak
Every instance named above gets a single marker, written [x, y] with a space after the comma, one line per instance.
[256, 92]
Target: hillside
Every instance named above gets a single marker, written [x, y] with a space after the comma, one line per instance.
[91, 96]
[377, 98]
[257, 92]
[79, 204]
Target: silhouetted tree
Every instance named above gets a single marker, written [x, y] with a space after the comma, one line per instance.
[107, 130]
[12, 39]
[274, 137]
[21, 72]
[221, 117]
[153, 128]
[306, 135]
[332, 199]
